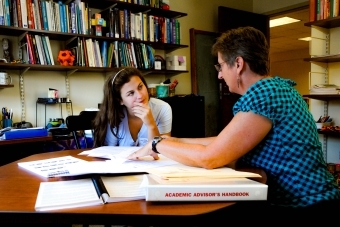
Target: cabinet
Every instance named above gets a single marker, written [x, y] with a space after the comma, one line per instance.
[325, 68]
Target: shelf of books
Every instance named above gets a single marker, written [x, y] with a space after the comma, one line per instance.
[120, 33]
[323, 14]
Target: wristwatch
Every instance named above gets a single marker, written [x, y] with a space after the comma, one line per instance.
[156, 140]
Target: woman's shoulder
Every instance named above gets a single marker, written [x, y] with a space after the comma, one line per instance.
[156, 101]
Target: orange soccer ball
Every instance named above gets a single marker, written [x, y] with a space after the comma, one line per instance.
[66, 58]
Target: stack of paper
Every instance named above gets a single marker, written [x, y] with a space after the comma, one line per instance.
[325, 89]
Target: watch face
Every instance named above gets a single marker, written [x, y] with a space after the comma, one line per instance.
[157, 138]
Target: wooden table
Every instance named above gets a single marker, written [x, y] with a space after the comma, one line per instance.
[26, 140]
[19, 188]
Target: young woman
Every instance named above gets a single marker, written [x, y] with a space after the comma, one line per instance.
[128, 116]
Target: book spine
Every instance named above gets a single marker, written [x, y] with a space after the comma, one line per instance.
[44, 14]
[40, 15]
[30, 14]
[104, 53]
[73, 18]
[178, 34]
[156, 27]
[208, 193]
[145, 27]
[49, 49]
[137, 26]
[109, 55]
[40, 50]
[2, 14]
[121, 24]
[61, 15]
[151, 28]
[19, 13]
[30, 49]
[7, 13]
[35, 48]
[24, 13]
[85, 47]
[134, 55]
[47, 55]
[15, 13]
[48, 15]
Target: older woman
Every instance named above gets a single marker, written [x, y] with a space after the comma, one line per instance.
[272, 129]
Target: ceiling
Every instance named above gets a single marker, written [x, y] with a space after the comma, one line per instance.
[285, 38]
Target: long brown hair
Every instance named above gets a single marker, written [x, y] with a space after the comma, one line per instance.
[111, 111]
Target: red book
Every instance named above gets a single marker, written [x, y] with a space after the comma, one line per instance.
[31, 14]
[29, 17]
[30, 49]
[19, 13]
[312, 10]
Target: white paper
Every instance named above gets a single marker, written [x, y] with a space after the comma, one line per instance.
[110, 152]
[53, 166]
[124, 188]
[66, 194]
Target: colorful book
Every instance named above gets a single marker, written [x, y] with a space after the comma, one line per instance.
[73, 18]
[44, 15]
[36, 15]
[24, 15]
[2, 13]
[40, 50]
[46, 52]
[7, 13]
[103, 51]
[61, 18]
[30, 50]
[19, 13]
[49, 49]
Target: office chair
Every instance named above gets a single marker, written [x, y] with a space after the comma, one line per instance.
[77, 124]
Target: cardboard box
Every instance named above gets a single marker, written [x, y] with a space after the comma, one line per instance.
[176, 62]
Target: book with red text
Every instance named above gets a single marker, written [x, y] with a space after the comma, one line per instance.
[194, 189]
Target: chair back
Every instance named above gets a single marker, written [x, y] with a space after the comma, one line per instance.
[77, 124]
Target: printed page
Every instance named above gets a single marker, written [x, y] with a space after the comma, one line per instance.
[124, 188]
[112, 166]
[53, 166]
[110, 152]
[66, 194]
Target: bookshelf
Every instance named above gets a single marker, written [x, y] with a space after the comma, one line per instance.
[325, 66]
[67, 39]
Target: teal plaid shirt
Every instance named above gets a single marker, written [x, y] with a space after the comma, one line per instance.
[291, 153]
